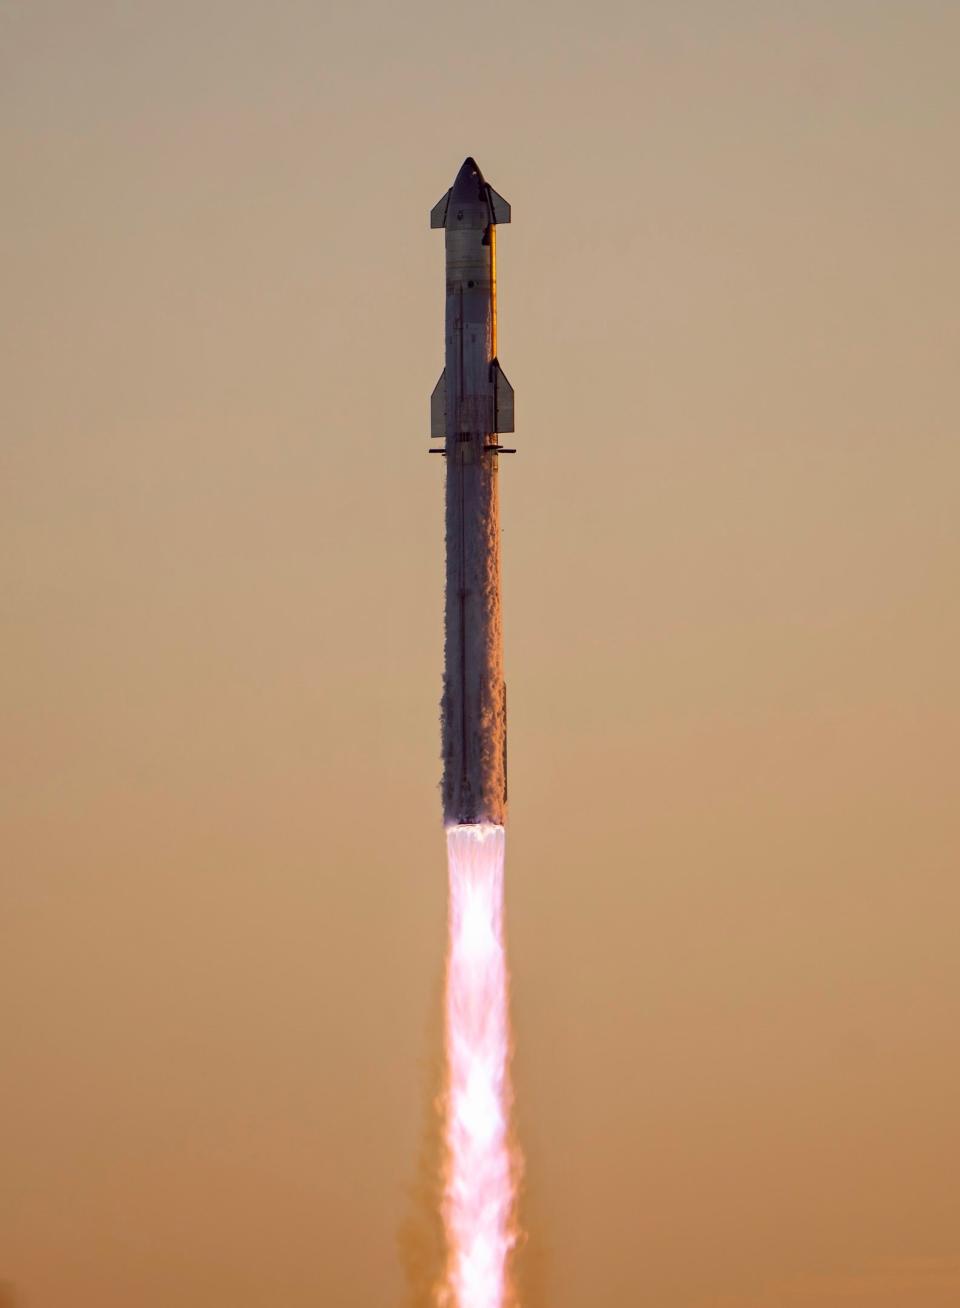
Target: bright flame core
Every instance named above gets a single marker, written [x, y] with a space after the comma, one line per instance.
[479, 1189]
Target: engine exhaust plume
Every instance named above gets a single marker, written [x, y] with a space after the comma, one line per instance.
[480, 1171]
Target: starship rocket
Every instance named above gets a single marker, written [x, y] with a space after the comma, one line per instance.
[471, 404]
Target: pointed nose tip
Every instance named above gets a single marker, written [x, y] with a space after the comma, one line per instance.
[469, 182]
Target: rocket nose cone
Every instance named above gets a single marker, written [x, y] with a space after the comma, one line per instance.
[469, 184]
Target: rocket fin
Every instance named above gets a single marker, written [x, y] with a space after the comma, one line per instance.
[499, 207]
[438, 214]
[502, 399]
[438, 407]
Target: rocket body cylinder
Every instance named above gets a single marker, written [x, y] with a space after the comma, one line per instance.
[472, 403]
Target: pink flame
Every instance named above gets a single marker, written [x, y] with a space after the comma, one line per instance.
[478, 1206]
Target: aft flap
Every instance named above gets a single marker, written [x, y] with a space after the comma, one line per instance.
[438, 214]
[438, 407]
[498, 205]
[502, 399]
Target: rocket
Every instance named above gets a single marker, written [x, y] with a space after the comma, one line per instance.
[471, 405]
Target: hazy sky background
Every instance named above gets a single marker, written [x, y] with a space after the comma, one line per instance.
[728, 305]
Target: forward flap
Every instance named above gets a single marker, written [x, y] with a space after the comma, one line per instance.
[438, 214]
[499, 206]
[438, 407]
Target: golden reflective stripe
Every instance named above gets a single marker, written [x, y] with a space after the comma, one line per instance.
[493, 287]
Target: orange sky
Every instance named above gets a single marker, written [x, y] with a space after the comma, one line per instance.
[731, 542]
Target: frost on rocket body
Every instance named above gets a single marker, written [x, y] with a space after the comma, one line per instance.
[473, 707]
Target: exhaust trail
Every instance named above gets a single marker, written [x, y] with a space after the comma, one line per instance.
[480, 1169]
